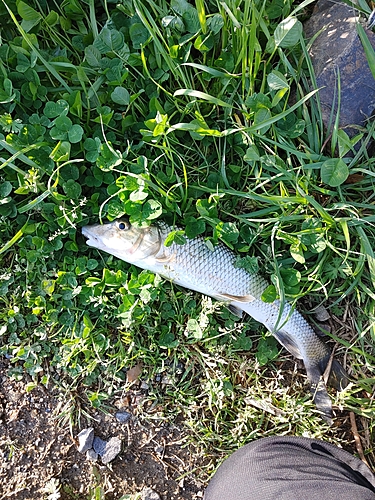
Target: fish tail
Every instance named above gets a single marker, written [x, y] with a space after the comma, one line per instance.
[338, 378]
[322, 400]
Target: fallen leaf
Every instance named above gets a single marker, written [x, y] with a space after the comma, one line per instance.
[354, 179]
[133, 373]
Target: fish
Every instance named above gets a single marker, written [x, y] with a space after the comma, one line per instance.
[194, 265]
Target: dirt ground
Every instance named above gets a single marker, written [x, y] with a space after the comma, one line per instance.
[39, 459]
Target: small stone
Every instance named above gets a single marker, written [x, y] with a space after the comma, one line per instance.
[99, 445]
[91, 455]
[85, 439]
[149, 494]
[159, 450]
[167, 380]
[108, 450]
[123, 416]
[113, 448]
[321, 314]
[180, 368]
[144, 385]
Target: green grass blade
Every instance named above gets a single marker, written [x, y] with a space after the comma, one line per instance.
[368, 251]
[34, 203]
[47, 65]
[367, 47]
[15, 238]
[211, 71]
[201, 15]
[20, 155]
[202, 95]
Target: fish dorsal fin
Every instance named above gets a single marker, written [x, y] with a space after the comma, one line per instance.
[236, 298]
[288, 342]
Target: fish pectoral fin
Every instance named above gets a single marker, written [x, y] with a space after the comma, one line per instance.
[288, 342]
[166, 259]
[236, 298]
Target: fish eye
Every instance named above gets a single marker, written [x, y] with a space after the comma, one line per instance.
[123, 225]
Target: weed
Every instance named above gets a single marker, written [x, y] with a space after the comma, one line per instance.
[201, 115]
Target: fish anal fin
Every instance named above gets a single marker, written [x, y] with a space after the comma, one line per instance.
[236, 298]
[288, 342]
[235, 310]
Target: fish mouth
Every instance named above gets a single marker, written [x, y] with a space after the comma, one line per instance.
[92, 240]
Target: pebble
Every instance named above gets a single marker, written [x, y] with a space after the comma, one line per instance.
[85, 439]
[91, 455]
[108, 450]
[123, 416]
[149, 494]
[99, 445]
[321, 313]
[159, 450]
[167, 380]
[113, 448]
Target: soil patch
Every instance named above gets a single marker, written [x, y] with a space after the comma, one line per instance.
[39, 458]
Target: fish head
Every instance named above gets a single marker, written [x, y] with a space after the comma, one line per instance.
[124, 240]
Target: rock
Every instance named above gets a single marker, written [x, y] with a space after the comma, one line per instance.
[167, 380]
[123, 416]
[149, 494]
[321, 314]
[338, 49]
[108, 450]
[91, 455]
[99, 445]
[113, 448]
[85, 439]
[159, 450]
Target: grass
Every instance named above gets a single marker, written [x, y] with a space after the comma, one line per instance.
[202, 115]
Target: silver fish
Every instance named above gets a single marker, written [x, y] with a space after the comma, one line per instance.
[195, 266]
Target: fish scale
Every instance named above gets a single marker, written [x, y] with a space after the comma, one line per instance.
[201, 266]
[213, 272]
